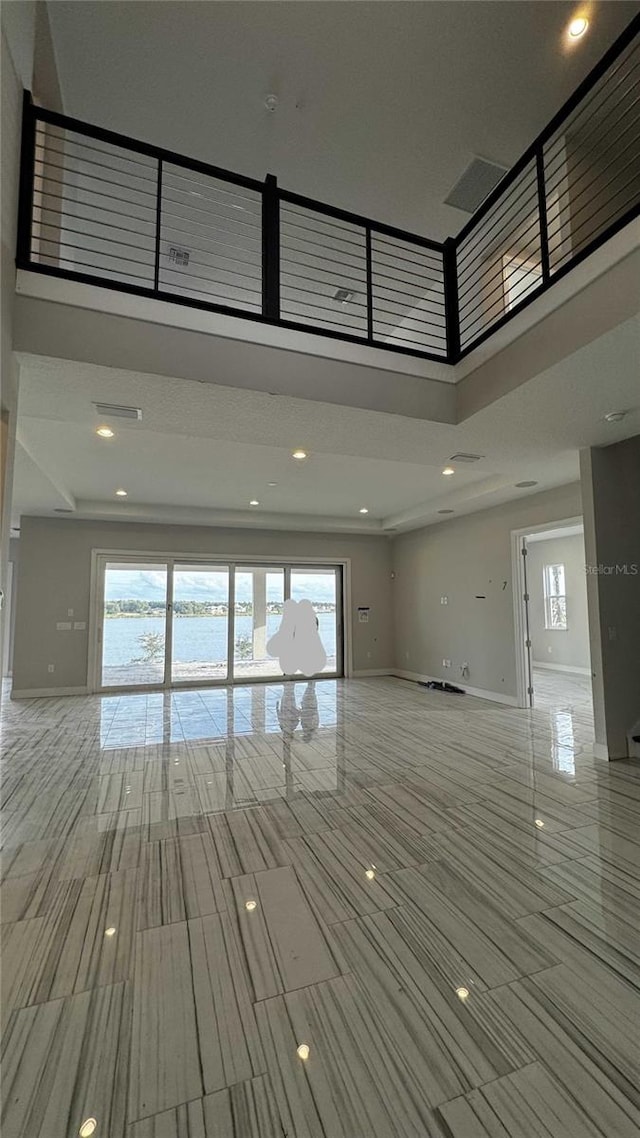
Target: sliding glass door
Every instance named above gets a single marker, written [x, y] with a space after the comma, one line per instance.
[174, 622]
[200, 623]
[134, 623]
[321, 587]
[258, 603]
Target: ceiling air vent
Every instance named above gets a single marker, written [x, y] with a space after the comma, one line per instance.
[60, 510]
[466, 457]
[478, 180]
[115, 411]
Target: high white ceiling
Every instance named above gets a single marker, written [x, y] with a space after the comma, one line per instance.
[201, 451]
[381, 105]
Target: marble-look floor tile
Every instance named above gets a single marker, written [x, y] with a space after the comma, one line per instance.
[179, 878]
[582, 926]
[604, 843]
[513, 889]
[246, 1110]
[456, 914]
[66, 1061]
[528, 1102]
[68, 950]
[247, 841]
[336, 886]
[119, 792]
[165, 1058]
[284, 945]
[354, 1082]
[465, 1043]
[599, 1089]
[502, 859]
[229, 1047]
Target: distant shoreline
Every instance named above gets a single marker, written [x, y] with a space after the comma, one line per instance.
[187, 615]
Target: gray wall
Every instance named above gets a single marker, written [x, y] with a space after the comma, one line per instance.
[460, 559]
[611, 489]
[54, 575]
[549, 646]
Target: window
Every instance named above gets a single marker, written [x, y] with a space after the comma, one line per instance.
[520, 277]
[555, 598]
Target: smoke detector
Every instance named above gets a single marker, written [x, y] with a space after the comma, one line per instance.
[271, 103]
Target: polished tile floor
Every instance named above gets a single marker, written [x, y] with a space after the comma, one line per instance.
[436, 896]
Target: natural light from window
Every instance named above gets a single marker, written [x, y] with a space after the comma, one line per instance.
[555, 598]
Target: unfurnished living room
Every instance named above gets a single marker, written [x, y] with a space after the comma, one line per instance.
[320, 569]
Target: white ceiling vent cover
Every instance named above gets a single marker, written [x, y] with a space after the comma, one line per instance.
[115, 411]
[462, 457]
[478, 180]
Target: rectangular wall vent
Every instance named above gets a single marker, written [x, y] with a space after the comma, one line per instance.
[478, 180]
[465, 457]
[116, 411]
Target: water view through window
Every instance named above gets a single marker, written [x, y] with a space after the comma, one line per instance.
[145, 642]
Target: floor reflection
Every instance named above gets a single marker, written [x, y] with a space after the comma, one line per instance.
[254, 744]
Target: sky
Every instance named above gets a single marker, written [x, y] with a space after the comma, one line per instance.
[211, 586]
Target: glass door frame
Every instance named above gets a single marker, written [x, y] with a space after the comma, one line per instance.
[101, 558]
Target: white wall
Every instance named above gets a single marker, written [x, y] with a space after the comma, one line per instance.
[55, 568]
[549, 646]
[465, 559]
[611, 489]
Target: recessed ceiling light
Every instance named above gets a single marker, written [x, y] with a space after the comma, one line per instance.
[88, 1128]
[578, 27]
[527, 482]
[121, 493]
[250, 905]
[111, 931]
[539, 823]
[364, 510]
[272, 483]
[448, 470]
[303, 1051]
[105, 432]
[462, 993]
[299, 454]
[446, 511]
[254, 502]
[615, 416]
[370, 873]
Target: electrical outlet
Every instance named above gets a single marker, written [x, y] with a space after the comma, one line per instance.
[69, 612]
[446, 663]
[51, 668]
[444, 600]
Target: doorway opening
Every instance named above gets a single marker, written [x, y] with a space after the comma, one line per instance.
[553, 661]
[174, 621]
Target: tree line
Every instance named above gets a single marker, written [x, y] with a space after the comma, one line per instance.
[193, 608]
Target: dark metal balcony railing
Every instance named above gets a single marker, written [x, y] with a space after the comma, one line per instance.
[99, 207]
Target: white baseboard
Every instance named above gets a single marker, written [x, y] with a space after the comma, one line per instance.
[561, 668]
[41, 693]
[480, 693]
[363, 673]
[601, 751]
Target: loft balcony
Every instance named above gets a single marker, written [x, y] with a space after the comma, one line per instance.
[102, 209]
